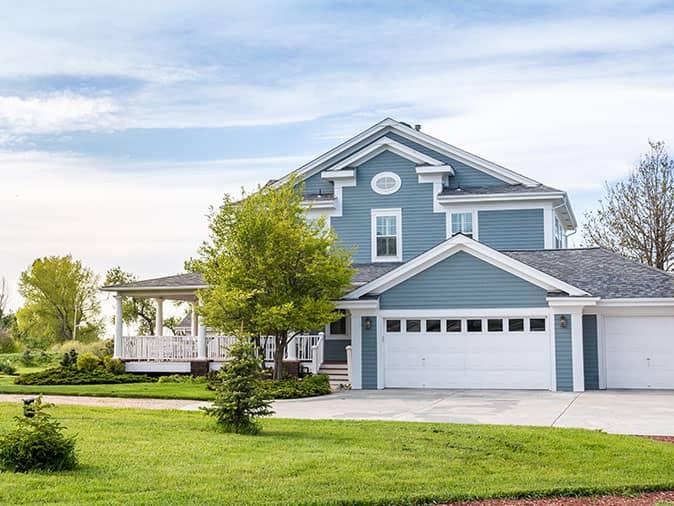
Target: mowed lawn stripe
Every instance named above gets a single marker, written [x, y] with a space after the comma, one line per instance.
[172, 457]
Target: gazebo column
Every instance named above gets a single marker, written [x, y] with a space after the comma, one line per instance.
[195, 320]
[119, 329]
[159, 324]
[201, 343]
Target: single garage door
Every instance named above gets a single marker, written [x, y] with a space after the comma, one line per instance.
[639, 352]
[467, 353]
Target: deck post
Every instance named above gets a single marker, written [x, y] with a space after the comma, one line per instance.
[195, 320]
[159, 324]
[201, 343]
[119, 329]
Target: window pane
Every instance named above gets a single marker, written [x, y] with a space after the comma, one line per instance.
[453, 325]
[495, 325]
[392, 325]
[456, 223]
[386, 246]
[474, 325]
[338, 327]
[467, 223]
[413, 325]
[537, 324]
[516, 325]
[432, 325]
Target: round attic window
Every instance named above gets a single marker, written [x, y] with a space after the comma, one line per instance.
[386, 183]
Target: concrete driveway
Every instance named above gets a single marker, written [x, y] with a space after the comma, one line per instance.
[614, 411]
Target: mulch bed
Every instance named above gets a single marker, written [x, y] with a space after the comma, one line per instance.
[605, 500]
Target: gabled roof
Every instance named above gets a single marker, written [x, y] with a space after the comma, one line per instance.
[497, 190]
[462, 243]
[188, 280]
[390, 125]
[600, 272]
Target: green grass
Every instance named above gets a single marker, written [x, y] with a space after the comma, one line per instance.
[162, 457]
[197, 391]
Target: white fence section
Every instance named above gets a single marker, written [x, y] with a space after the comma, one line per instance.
[317, 351]
[185, 348]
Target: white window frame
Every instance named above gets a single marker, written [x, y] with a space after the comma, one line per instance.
[558, 233]
[398, 214]
[473, 212]
[390, 191]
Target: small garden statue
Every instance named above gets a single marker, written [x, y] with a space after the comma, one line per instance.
[239, 400]
[37, 443]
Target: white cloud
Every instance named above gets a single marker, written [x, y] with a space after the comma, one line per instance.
[54, 113]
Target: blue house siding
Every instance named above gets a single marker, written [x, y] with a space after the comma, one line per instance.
[421, 227]
[463, 281]
[369, 353]
[316, 184]
[563, 355]
[335, 349]
[590, 352]
[464, 174]
[512, 228]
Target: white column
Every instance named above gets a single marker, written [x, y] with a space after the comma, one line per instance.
[195, 320]
[119, 329]
[356, 350]
[201, 343]
[291, 348]
[577, 351]
[159, 324]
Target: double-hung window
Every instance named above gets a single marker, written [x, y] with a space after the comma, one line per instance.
[386, 235]
[559, 234]
[462, 223]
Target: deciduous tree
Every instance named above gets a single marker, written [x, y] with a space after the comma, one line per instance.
[61, 302]
[636, 216]
[271, 271]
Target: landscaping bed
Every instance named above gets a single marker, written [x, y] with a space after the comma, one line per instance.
[132, 456]
[665, 498]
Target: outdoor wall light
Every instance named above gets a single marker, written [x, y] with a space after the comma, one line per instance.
[563, 321]
[368, 323]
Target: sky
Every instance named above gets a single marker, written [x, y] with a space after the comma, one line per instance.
[122, 122]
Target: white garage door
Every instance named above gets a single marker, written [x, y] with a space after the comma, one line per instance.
[467, 353]
[639, 352]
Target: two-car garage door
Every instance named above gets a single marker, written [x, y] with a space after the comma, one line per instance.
[467, 353]
[640, 352]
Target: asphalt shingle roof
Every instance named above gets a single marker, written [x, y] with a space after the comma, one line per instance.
[600, 272]
[178, 281]
[369, 272]
[493, 190]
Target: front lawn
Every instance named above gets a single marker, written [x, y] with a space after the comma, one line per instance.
[172, 457]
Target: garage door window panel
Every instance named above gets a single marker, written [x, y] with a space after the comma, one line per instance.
[453, 326]
[495, 325]
[393, 326]
[474, 325]
[433, 325]
[516, 325]
[413, 325]
[537, 324]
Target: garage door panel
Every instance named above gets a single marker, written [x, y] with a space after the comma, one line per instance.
[467, 360]
[639, 352]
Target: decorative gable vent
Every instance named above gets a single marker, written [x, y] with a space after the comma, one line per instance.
[386, 183]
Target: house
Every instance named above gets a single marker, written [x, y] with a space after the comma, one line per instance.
[464, 280]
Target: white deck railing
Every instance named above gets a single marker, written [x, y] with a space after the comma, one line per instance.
[184, 348]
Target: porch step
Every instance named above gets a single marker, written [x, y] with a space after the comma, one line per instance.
[338, 373]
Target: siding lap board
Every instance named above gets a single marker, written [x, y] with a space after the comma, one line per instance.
[369, 353]
[512, 228]
[335, 349]
[421, 227]
[463, 282]
[563, 355]
[590, 352]
[316, 184]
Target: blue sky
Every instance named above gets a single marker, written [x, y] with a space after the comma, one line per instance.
[121, 122]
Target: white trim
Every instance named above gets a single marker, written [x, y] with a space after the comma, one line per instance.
[572, 302]
[578, 364]
[385, 144]
[641, 301]
[342, 174]
[601, 350]
[398, 215]
[497, 312]
[358, 305]
[478, 250]
[388, 191]
[435, 170]
[498, 197]
[319, 204]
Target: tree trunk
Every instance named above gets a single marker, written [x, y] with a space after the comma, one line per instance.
[279, 352]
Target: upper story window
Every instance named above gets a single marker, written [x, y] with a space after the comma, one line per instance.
[386, 183]
[463, 223]
[559, 234]
[387, 235]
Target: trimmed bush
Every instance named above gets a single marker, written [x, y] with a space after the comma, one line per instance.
[113, 365]
[88, 362]
[69, 358]
[37, 443]
[73, 376]
[309, 386]
[181, 378]
[7, 368]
